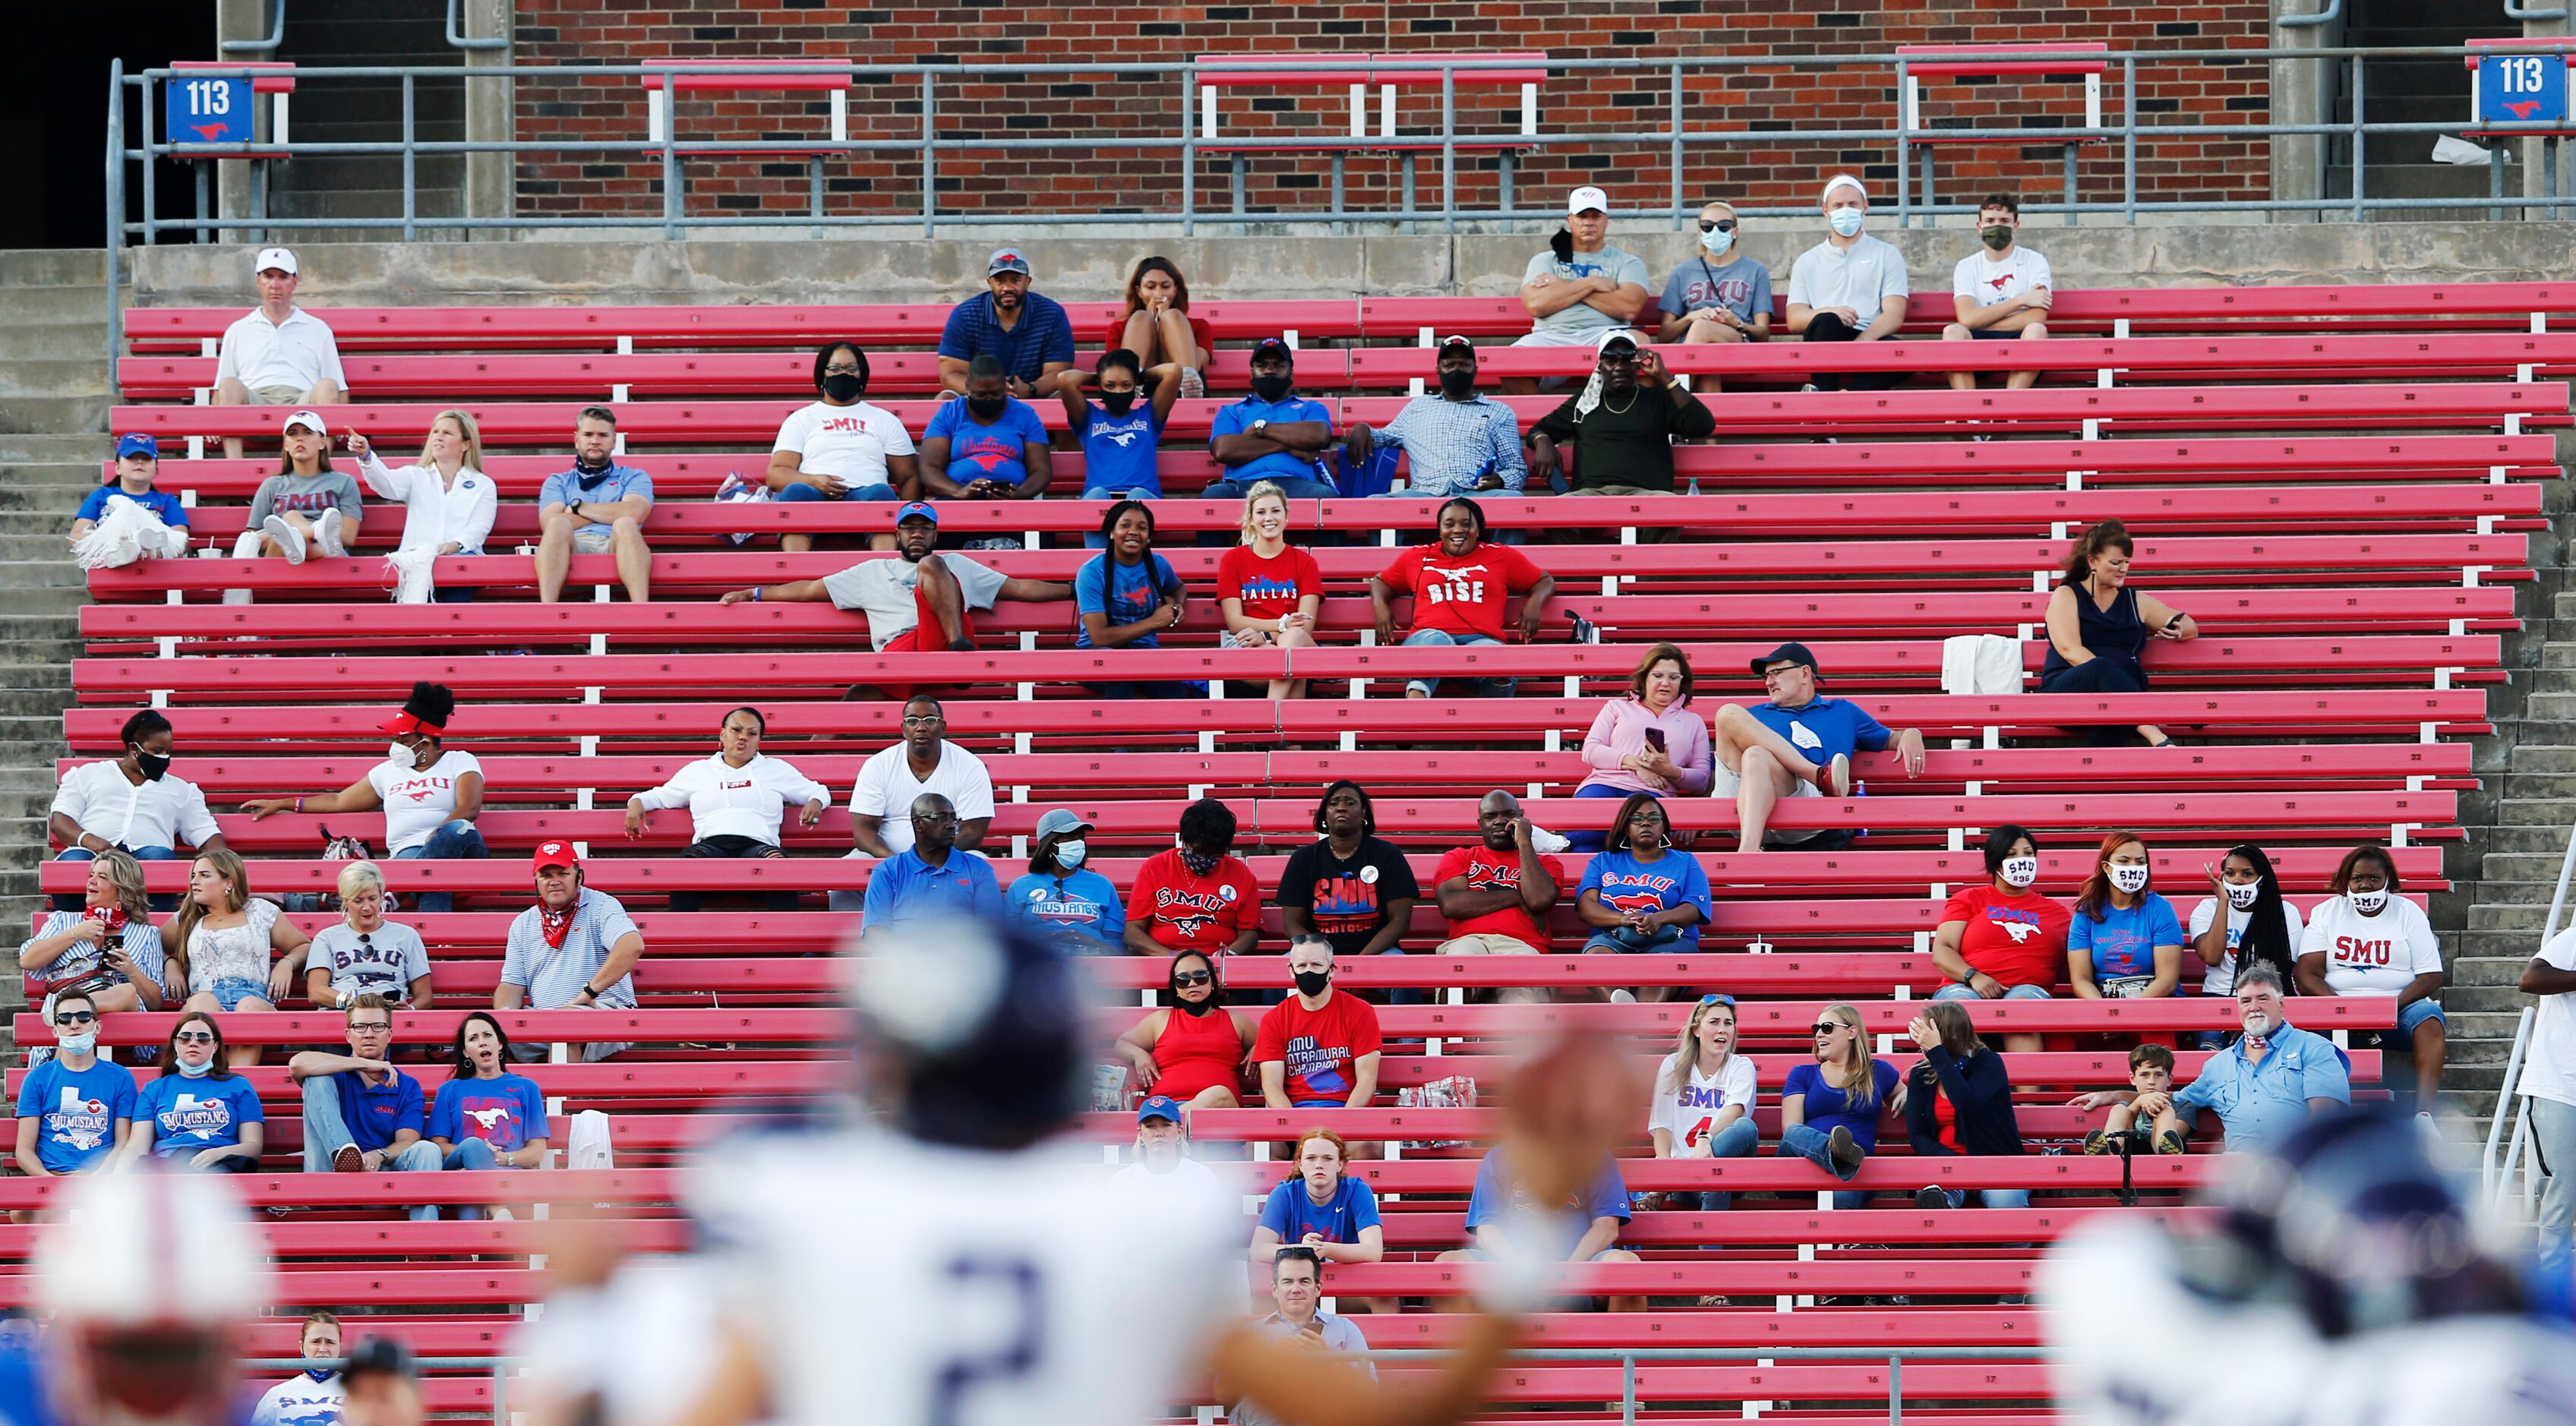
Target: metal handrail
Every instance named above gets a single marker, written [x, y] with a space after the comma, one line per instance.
[2517, 12]
[276, 34]
[456, 30]
[2327, 16]
[2496, 1172]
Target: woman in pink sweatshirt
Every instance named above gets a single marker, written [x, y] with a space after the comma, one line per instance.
[1649, 741]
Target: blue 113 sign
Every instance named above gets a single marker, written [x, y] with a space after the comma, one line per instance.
[208, 111]
[2522, 89]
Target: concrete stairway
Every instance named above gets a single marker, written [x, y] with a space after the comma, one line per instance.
[2413, 91]
[388, 32]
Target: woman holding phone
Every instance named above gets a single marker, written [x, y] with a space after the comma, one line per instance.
[2098, 627]
[1646, 740]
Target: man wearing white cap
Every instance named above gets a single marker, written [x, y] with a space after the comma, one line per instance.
[1582, 291]
[280, 354]
[1849, 288]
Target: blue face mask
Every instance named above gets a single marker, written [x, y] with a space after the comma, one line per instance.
[197, 1071]
[1846, 221]
[1717, 241]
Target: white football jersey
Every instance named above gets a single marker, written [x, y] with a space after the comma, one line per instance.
[2136, 1346]
[894, 1283]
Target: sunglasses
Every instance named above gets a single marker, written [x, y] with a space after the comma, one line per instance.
[193, 1037]
[1722, 225]
[1828, 1027]
[75, 1017]
[1726, 1000]
[1193, 977]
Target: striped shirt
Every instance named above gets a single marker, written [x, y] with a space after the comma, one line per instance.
[1041, 335]
[1450, 444]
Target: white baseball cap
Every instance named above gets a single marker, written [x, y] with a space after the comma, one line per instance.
[309, 421]
[279, 258]
[1585, 198]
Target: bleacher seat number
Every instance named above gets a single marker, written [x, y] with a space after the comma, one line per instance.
[209, 111]
[2522, 89]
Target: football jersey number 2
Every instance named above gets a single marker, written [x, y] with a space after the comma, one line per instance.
[1017, 1279]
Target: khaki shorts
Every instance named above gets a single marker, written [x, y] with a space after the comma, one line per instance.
[1722, 783]
[1485, 943]
[278, 395]
[593, 542]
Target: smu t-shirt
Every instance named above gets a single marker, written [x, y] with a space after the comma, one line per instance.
[192, 1114]
[977, 451]
[1124, 593]
[2018, 939]
[1985, 282]
[1269, 588]
[848, 443]
[1827, 1105]
[76, 1112]
[1318, 1046]
[1824, 728]
[2221, 978]
[1461, 594]
[162, 504]
[418, 801]
[384, 961]
[2122, 945]
[1490, 870]
[1670, 880]
[1742, 287]
[1188, 912]
[1118, 451]
[2372, 955]
[1347, 899]
[1292, 1212]
[1080, 905]
[506, 1112]
[1688, 1110]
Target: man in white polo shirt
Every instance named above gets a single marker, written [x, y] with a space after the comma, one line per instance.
[1849, 288]
[279, 354]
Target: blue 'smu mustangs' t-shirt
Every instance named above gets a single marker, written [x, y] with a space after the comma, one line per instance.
[192, 1114]
[505, 1112]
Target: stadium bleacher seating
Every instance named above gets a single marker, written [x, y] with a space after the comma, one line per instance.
[2339, 483]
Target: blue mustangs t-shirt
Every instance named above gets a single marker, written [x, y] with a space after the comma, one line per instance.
[1824, 729]
[1827, 1105]
[2123, 943]
[505, 1112]
[76, 1113]
[1124, 592]
[188, 1115]
[166, 506]
[1080, 905]
[1118, 451]
[1627, 884]
[1292, 1212]
[1503, 1197]
[977, 451]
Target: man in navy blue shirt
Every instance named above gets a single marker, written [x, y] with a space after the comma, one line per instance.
[1274, 434]
[933, 879]
[1796, 745]
[1027, 333]
[361, 1115]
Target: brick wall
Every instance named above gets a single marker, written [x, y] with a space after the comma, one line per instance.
[999, 102]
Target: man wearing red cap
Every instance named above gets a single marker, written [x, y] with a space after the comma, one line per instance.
[575, 949]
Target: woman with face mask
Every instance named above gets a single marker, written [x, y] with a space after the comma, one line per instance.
[2260, 927]
[1194, 1050]
[1719, 293]
[198, 1114]
[430, 793]
[2124, 943]
[1063, 895]
[840, 447]
[1196, 895]
[2368, 940]
[2002, 939]
[1121, 431]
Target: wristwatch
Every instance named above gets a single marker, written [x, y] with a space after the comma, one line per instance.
[1259, 426]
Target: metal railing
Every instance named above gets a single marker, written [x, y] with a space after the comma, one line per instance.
[2505, 1155]
[500, 1366]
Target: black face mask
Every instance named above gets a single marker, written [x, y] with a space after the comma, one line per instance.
[844, 386]
[1117, 402]
[1457, 381]
[1270, 386]
[987, 410]
[1312, 982]
[152, 765]
[1195, 1007]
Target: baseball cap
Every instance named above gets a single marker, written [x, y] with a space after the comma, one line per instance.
[1585, 198]
[1456, 339]
[1060, 819]
[1793, 652]
[916, 509]
[1161, 1106]
[381, 1354]
[309, 421]
[556, 852]
[137, 444]
[1268, 345]
[1621, 342]
[1007, 260]
[279, 258]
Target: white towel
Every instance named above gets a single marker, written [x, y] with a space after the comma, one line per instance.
[1984, 664]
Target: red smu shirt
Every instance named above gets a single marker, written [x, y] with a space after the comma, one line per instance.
[1463, 595]
[2019, 940]
[1318, 1046]
[1490, 870]
[1269, 587]
[1194, 913]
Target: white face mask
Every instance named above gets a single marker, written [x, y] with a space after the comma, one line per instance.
[77, 1044]
[1070, 854]
[1846, 221]
[2020, 871]
[2368, 903]
[402, 756]
[1717, 241]
[199, 1071]
[2129, 879]
[2242, 897]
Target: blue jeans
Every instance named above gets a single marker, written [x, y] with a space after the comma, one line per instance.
[1736, 1141]
[1956, 991]
[473, 1156]
[1989, 1197]
[73, 901]
[325, 1131]
[1441, 639]
[1625, 941]
[1809, 1142]
[457, 593]
[1295, 487]
[1589, 841]
[1098, 541]
[454, 841]
[800, 492]
[2416, 1012]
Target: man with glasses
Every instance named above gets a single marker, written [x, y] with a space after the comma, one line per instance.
[934, 878]
[1719, 293]
[1796, 745]
[361, 1115]
[575, 949]
[1621, 427]
[894, 779]
[74, 1110]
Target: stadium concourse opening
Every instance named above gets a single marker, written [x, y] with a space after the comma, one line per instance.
[1949, 735]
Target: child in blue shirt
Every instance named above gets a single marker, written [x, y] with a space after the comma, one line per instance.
[1119, 433]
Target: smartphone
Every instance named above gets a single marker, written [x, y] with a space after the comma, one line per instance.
[1655, 739]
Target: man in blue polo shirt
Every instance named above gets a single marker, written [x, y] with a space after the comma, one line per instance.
[1273, 434]
[361, 1115]
[138, 459]
[1027, 333]
[1795, 745]
[933, 879]
[2272, 1080]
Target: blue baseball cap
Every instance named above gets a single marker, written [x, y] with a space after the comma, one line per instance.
[135, 443]
[1161, 1106]
[912, 509]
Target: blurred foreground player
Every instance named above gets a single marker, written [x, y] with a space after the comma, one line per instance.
[2341, 1283]
[945, 1266]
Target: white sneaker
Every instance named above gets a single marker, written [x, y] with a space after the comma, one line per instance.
[1623, 997]
[1543, 840]
[288, 538]
[326, 533]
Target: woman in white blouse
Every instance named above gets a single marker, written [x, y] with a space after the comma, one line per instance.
[736, 801]
[225, 945]
[448, 501]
